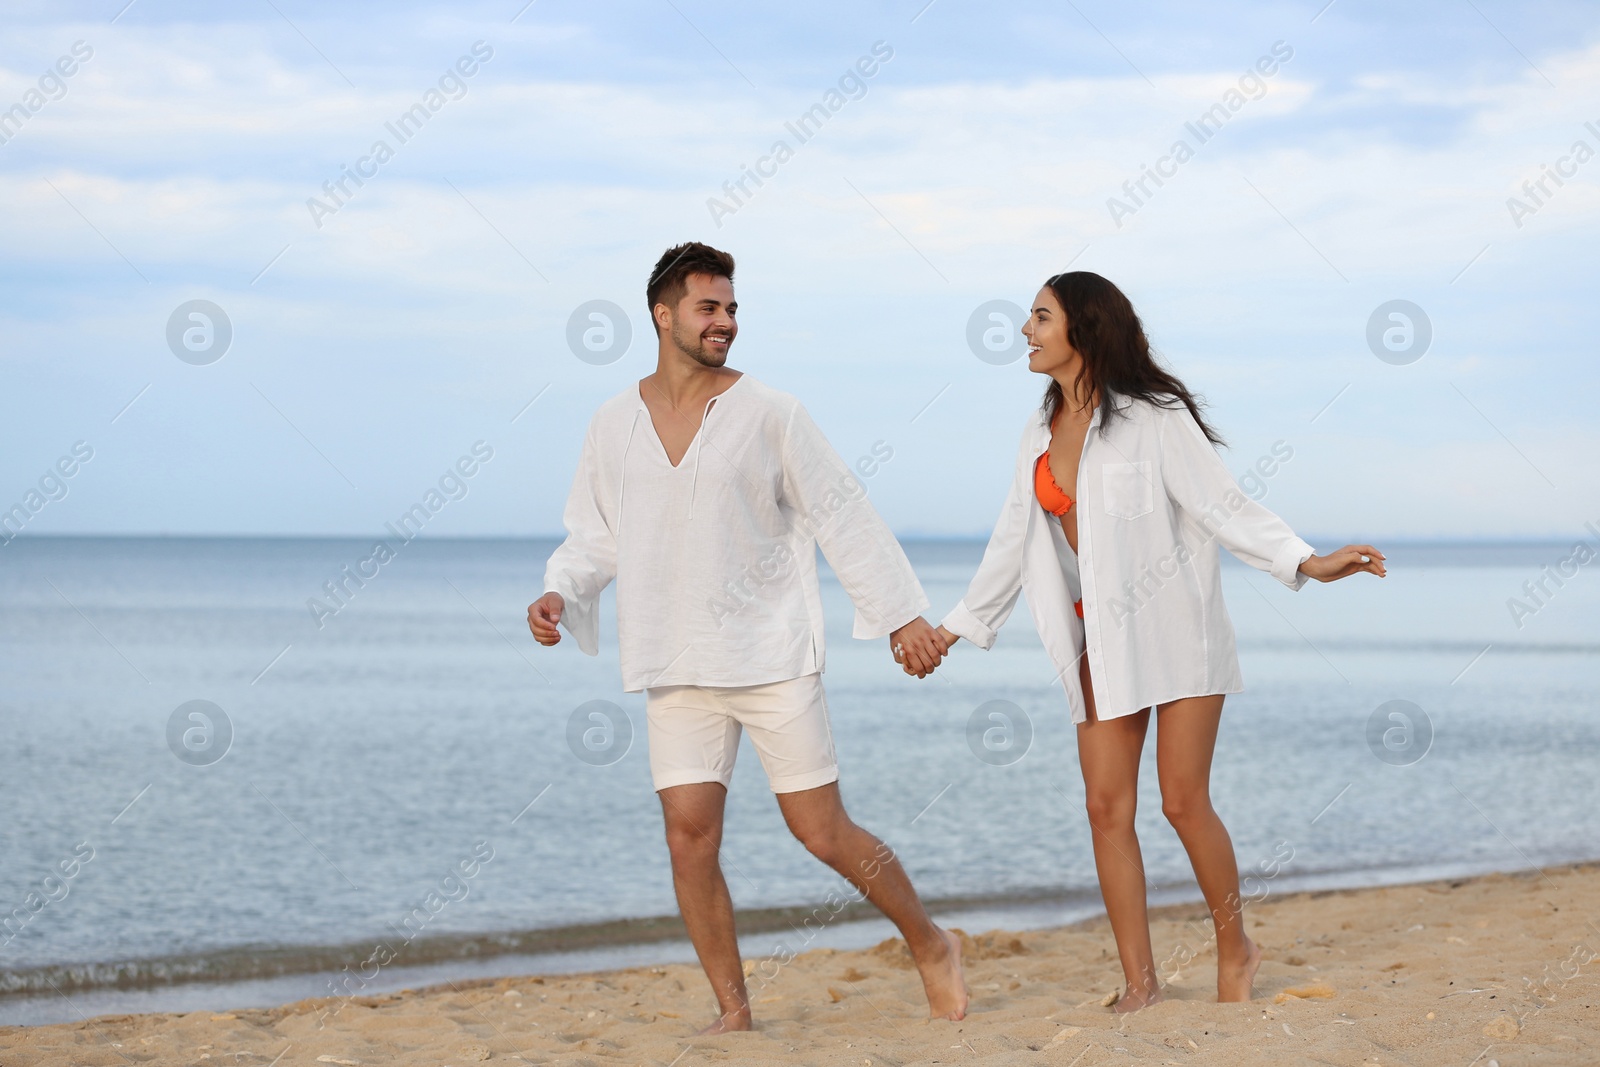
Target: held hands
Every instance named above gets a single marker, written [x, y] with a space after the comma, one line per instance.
[918, 647]
[543, 614]
[1346, 561]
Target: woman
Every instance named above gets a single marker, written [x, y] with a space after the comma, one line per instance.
[1123, 581]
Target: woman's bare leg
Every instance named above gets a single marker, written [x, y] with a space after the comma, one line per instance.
[1108, 754]
[1186, 736]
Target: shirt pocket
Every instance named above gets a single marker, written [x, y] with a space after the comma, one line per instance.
[1128, 489]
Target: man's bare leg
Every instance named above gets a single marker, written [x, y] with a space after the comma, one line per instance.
[693, 815]
[818, 819]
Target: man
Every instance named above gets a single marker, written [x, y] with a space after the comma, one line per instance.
[702, 491]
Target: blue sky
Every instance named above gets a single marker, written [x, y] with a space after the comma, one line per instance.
[370, 353]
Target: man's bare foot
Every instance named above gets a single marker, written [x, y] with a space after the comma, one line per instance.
[1235, 980]
[729, 1022]
[1133, 999]
[945, 982]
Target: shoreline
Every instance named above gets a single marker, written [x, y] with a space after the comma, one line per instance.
[1497, 967]
[248, 963]
[264, 977]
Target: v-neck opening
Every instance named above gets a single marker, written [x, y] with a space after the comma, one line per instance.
[656, 433]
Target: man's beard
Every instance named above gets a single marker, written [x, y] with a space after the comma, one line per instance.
[696, 349]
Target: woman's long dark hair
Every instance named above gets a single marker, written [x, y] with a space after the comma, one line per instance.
[1105, 330]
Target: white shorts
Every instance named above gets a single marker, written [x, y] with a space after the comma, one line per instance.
[694, 732]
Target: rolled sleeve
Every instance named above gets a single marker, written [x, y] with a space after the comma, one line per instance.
[963, 623]
[1286, 567]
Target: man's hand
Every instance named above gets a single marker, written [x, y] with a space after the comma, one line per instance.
[1350, 559]
[543, 614]
[920, 648]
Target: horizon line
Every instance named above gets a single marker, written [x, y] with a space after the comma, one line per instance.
[1412, 540]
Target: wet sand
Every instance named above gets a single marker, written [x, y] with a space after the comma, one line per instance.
[1500, 968]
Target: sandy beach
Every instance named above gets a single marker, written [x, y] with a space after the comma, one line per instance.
[1496, 969]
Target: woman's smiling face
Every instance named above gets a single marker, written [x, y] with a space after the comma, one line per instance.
[1049, 351]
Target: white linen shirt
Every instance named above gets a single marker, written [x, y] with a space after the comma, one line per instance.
[715, 559]
[1152, 498]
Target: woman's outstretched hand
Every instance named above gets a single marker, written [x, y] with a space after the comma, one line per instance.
[1348, 560]
[917, 647]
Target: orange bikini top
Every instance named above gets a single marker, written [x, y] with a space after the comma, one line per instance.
[1051, 496]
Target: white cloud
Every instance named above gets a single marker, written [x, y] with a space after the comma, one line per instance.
[193, 150]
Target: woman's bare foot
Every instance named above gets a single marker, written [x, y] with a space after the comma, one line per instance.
[1133, 999]
[1235, 979]
[729, 1022]
[944, 981]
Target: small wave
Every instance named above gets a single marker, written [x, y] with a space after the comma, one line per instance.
[248, 963]
[252, 962]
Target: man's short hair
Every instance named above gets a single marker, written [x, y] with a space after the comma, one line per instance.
[670, 279]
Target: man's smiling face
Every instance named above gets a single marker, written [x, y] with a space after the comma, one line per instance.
[703, 325]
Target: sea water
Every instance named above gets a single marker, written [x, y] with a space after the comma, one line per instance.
[375, 750]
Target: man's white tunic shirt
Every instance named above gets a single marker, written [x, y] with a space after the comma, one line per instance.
[715, 559]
